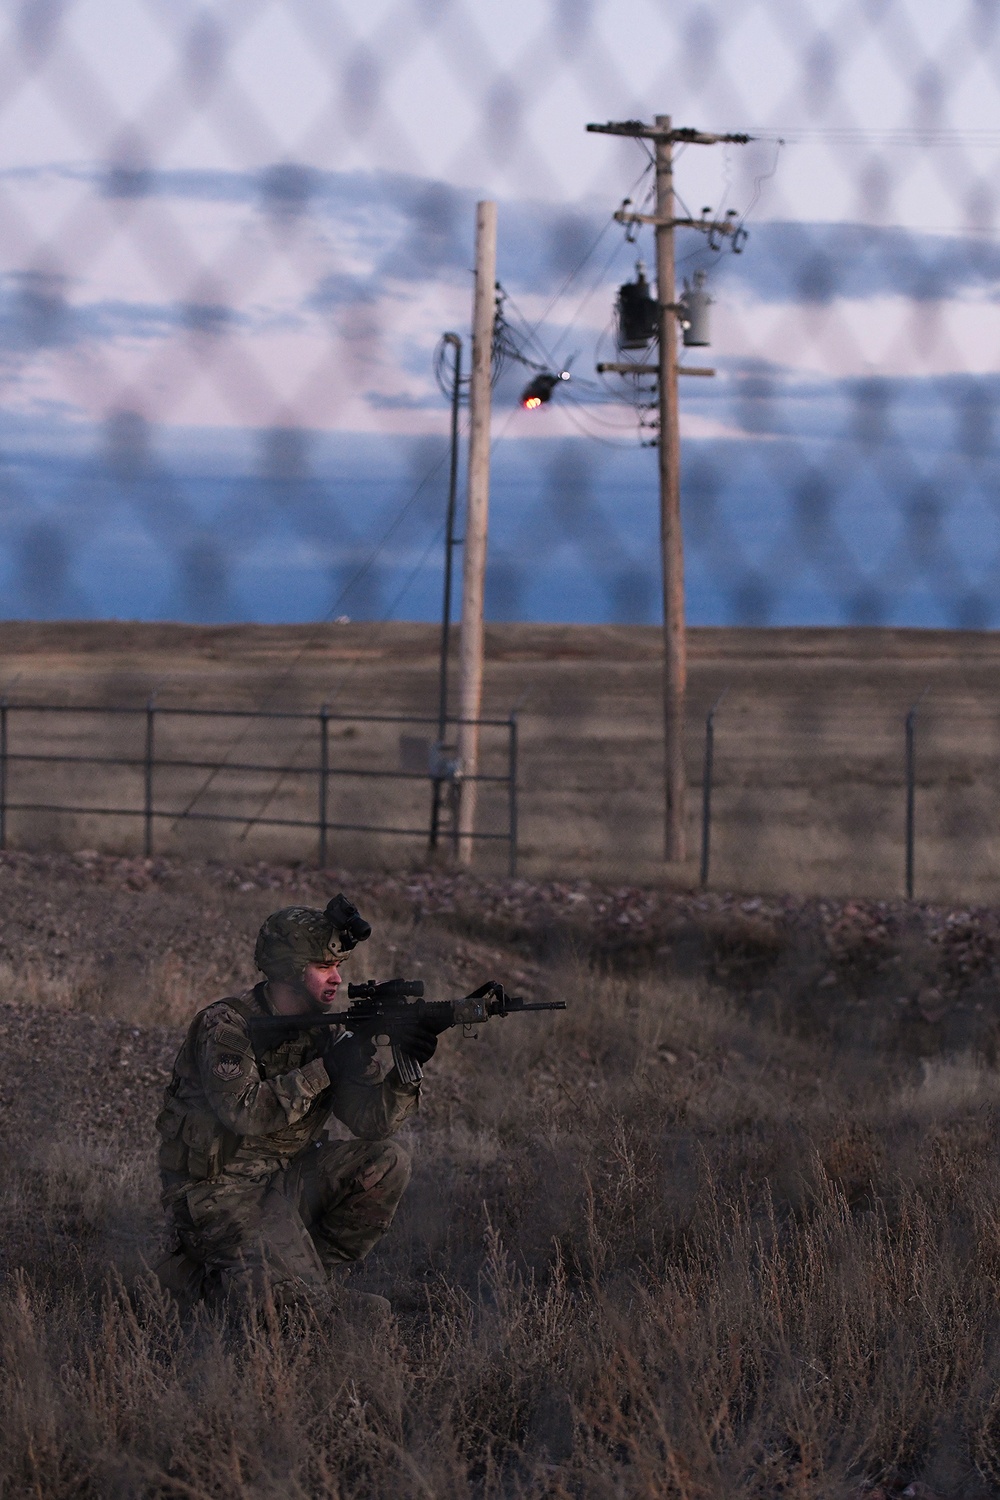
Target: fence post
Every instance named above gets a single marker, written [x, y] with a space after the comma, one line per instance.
[148, 789]
[512, 794]
[911, 758]
[432, 837]
[324, 771]
[706, 789]
[3, 773]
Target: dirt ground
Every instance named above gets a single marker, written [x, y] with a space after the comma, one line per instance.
[808, 791]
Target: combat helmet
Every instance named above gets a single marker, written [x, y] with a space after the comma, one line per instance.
[300, 935]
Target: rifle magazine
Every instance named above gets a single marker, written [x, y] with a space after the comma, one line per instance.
[407, 1067]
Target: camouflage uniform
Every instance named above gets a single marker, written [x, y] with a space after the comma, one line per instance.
[256, 1193]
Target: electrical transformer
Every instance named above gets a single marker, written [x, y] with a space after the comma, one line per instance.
[638, 312]
[693, 306]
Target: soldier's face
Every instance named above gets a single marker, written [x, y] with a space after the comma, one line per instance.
[321, 982]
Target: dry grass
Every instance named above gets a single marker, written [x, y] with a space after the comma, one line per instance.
[657, 1246]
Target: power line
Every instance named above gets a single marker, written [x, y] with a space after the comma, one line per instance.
[762, 177]
[594, 437]
[331, 612]
[579, 267]
[596, 285]
[400, 595]
[849, 135]
[529, 333]
[305, 735]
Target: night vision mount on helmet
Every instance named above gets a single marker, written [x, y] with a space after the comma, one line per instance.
[300, 935]
[348, 922]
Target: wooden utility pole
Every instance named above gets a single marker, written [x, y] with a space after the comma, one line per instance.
[671, 535]
[663, 135]
[470, 687]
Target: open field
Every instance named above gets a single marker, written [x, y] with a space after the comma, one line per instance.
[728, 1227]
[809, 745]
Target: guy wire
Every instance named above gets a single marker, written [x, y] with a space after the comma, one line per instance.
[305, 735]
[352, 667]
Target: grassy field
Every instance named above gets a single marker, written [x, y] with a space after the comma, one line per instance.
[809, 746]
[728, 1227]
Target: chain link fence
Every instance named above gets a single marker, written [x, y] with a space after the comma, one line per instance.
[234, 234]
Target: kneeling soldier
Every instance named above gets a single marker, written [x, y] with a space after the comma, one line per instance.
[258, 1196]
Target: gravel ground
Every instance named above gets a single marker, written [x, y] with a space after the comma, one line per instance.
[103, 959]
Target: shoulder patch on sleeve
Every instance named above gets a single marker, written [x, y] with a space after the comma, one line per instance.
[225, 1028]
[228, 1065]
[229, 1039]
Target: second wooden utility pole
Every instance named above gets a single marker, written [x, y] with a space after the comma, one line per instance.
[663, 135]
[470, 689]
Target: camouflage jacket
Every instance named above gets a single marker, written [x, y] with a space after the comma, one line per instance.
[246, 1113]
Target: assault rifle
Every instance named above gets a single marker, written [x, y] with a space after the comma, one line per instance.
[378, 1008]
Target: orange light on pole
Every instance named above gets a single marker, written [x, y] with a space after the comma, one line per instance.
[539, 390]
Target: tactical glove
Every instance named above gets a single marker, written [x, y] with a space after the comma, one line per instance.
[347, 1057]
[417, 1037]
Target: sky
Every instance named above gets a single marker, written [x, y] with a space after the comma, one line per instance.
[236, 232]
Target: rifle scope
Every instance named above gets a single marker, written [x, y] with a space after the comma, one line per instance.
[389, 989]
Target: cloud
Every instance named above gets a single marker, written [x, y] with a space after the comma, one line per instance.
[437, 238]
[404, 227]
[414, 229]
[810, 527]
[389, 265]
[341, 289]
[821, 263]
[929, 414]
[403, 401]
[37, 313]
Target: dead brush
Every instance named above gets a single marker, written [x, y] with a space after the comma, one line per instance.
[655, 1246]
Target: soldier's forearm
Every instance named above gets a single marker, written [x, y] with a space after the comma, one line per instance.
[375, 1109]
[271, 1104]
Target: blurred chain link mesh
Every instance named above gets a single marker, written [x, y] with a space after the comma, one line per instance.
[234, 233]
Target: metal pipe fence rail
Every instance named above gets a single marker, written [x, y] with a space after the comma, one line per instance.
[907, 787]
[149, 763]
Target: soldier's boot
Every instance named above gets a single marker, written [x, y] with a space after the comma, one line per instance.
[368, 1307]
[182, 1277]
